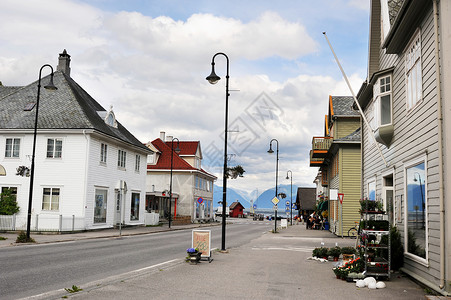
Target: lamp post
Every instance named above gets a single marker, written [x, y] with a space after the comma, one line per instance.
[291, 199]
[277, 174]
[177, 150]
[50, 86]
[213, 79]
[422, 197]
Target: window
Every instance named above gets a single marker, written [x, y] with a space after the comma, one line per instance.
[414, 82]
[372, 190]
[121, 157]
[137, 162]
[51, 199]
[100, 206]
[103, 152]
[416, 202]
[382, 101]
[54, 148]
[12, 147]
[134, 207]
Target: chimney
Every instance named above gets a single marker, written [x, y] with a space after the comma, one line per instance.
[162, 135]
[169, 138]
[64, 63]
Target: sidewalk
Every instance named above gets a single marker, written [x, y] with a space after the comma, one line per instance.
[95, 234]
[274, 266]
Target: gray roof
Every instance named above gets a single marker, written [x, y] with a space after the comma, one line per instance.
[342, 106]
[394, 6]
[306, 198]
[69, 107]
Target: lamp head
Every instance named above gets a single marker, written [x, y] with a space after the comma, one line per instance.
[287, 177]
[270, 149]
[213, 78]
[50, 85]
[177, 150]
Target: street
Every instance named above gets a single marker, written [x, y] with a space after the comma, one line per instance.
[28, 270]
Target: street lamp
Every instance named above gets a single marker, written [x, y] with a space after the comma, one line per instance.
[270, 151]
[213, 79]
[422, 197]
[177, 150]
[291, 200]
[50, 86]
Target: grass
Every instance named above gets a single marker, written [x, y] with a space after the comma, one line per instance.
[2, 238]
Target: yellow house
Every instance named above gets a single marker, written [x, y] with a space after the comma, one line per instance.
[338, 156]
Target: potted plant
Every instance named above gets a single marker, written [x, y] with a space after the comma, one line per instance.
[193, 255]
[320, 252]
[334, 252]
[348, 253]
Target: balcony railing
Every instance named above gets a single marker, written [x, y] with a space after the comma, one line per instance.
[320, 146]
[315, 162]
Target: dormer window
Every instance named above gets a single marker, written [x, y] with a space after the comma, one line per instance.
[110, 118]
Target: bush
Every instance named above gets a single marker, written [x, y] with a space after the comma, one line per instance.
[22, 238]
[320, 252]
[8, 203]
[348, 250]
[397, 248]
[334, 251]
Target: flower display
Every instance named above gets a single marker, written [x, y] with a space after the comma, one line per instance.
[192, 250]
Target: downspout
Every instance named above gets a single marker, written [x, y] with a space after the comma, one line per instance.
[85, 182]
[440, 150]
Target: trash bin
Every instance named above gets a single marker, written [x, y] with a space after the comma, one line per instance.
[326, 225]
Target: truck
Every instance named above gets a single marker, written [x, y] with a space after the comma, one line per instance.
[219, 211]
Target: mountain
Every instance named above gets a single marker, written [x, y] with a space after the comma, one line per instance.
[263, 201]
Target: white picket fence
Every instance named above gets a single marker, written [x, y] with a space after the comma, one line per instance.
[56, 223]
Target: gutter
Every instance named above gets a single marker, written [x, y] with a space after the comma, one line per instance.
[440, 148]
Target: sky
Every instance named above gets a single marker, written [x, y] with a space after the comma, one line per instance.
[148, 59]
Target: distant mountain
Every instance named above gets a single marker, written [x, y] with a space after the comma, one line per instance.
[263, 201]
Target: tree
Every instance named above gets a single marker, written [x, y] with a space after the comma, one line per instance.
[234, 172]
[8, 203]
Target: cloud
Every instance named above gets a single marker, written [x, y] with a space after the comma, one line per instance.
[152, 70]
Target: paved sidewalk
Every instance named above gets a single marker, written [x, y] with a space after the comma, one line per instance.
[95, 234]
[274, 266]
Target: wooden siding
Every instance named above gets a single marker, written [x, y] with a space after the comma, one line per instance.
[415, 133]
[350, 174]
[346, 126]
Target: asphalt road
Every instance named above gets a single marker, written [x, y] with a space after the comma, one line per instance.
[34, 269]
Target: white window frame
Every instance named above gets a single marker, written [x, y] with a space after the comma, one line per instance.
[381, 89]
[121, 158]
[413, 72]
[103, 153]
[101, 194]
[137, 162]
[407, 165]
[50, 202]
[53, 153]
[135, 217]
[14, 151]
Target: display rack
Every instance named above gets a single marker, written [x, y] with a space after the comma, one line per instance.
[377, 248]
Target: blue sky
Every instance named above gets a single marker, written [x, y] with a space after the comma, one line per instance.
[149, 60]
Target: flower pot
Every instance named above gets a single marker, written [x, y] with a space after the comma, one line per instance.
[348, 257]
[194, 257]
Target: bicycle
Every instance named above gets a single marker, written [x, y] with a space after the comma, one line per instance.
[353, 232]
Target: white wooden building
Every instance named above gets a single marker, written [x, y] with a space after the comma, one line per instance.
[90, 171]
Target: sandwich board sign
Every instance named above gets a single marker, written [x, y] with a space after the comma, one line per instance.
[201, 239]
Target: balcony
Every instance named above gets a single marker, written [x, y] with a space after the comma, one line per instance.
[315, 162]
[320, 146]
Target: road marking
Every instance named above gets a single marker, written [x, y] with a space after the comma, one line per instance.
[102, 282]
